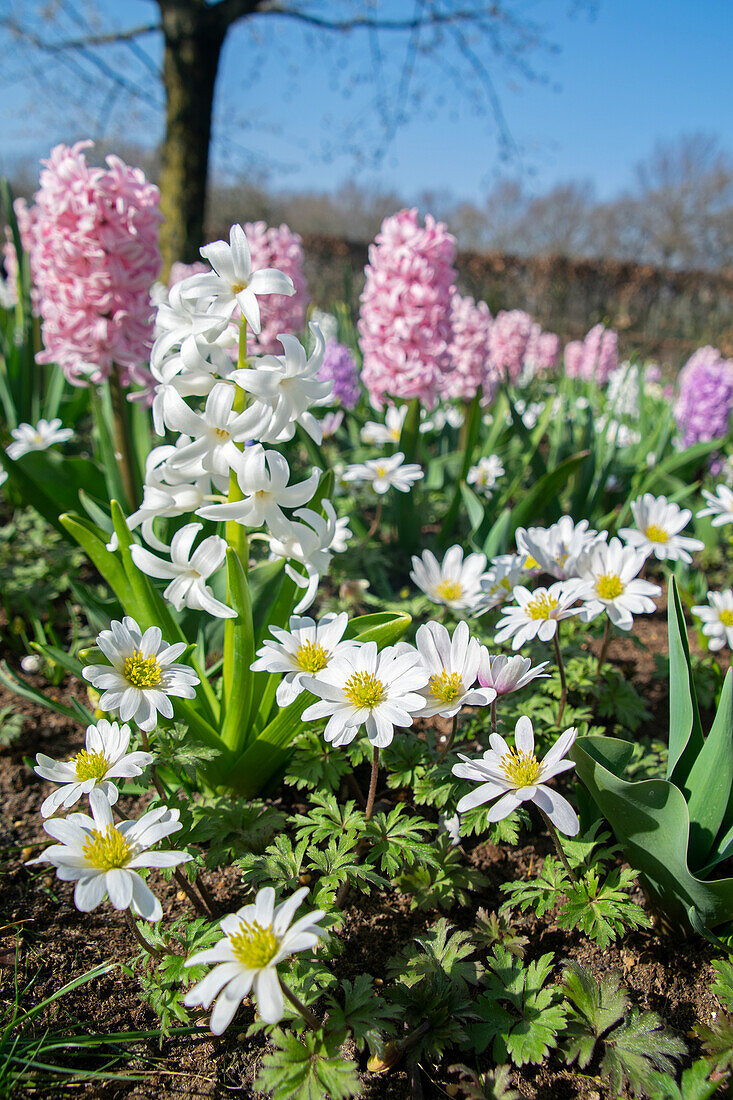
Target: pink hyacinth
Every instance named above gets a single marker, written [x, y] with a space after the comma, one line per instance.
[405, 324]
[282, 249]
[94, 260]
[469, 351]
[180, 271]
[27, 218]
[543, 350]
[508, 342]
[595, 358]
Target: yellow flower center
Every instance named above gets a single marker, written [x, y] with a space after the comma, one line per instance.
[380, 471]
[221, 433]
[91, 765]
[726, 618]
[542, 607]
[253, 946]
[448, 590]
[521, 769]
[395, 434]
[609, 586]
[447, 686]
[657, 534]
[363, 689]
[530, 563]
[141, 672]
[106, 851]
[311, 657]
[237, 288]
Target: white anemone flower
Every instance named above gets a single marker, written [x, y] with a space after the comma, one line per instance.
[555, 549]
[499, 581]
[103, 858]
[232, 282]
[453, 665]
[305, 647]
[256, 939]
[27, 438]
[516, 775]
[391, 472]
[390, 432]
[719, 505]
[536, 614]
[286, 386]
[263, 478]
[188, 571]
[610, 572]
[214, 432]
[507, 674]
[364, 687]
[454, 582]
[659, 523]
[486, 474]
[103, 759]
[717, 619]
[141, 675]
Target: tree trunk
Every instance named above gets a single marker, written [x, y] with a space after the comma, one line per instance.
[193, 34]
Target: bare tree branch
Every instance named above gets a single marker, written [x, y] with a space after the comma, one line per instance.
[367, 22]
[87, 42]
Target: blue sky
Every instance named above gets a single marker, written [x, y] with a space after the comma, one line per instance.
[631, 73]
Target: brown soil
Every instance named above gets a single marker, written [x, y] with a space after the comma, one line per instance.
[50, 943]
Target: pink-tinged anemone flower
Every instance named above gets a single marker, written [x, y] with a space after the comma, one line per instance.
[282, 249]
[508, 342]
[94, 259]
[405, 324]
[595, 358]
[705, 396]
[469, 351]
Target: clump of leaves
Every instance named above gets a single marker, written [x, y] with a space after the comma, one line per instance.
[360, 1012]
[717, 1037]
[178, 750]
[493, 928]
[493, 1085]
[619, 700]
[627, 1044]
[598, 902]
[37, 565]
[229, 827]
[315, 764]
[434, 975]
[520, 1013]
[309, 1066]
[11, 725]
[164, 984]
[444, 882]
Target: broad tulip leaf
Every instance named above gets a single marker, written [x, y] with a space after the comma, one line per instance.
[384, 627]
[711, 779]
[685, 729]
[652, 825]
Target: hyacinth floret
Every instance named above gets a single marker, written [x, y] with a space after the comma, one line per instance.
[339, 367]
[280, 248]
[469, 352]
[705, 397]
[94, 258]
[405, 325]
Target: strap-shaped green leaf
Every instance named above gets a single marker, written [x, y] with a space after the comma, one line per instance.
[238, 657]
[269, 751]
[107, 563]
[685, 729]
[544, 494]
[383, 627]
[710, 781]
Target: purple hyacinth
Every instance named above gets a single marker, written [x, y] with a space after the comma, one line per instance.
[340, 367]
[705, 396]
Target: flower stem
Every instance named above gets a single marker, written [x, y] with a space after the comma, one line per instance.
[561, 670]
[145, 944]
[123, 440]
[604, 646]
[493, 716]
[372, 785]
[556, 839]
[449, 739]
[310, 1018]
[375, 523]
